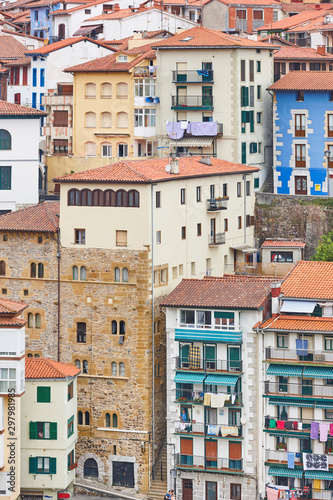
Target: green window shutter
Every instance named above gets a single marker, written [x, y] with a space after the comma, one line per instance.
[53, 465]
[243, 116]
[256, 183]
[33, 430]
[246, 96]
[32, 465]
[251, 120]
[43, 394]
[229, 315]
[53, 430]
[243, 152]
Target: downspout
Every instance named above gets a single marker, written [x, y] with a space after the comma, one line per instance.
[152, 324]
[244, 178]
[58, 257]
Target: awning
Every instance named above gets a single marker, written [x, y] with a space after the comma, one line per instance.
[216, 379]
[285, 370]
[319, 474]
[283, 471]
[325, 405]
[303, 403]
[318, 372]
[245, 248]
[298, 306]
[189, 378]
[86, 30]
[225, 336]
[193, 142]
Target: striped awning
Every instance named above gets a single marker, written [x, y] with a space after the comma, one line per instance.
[303, 403]
[319, 474]
[216, 379]
[283, 471]
[189, 378]
[194, 142]
[325, 405]
[318, 372]
[285, 370]
[208, 335]
[86, 30]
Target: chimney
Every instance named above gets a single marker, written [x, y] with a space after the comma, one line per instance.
[116, 6]
[321, 49]
[275, 292]
[174, 164]
[206, 161]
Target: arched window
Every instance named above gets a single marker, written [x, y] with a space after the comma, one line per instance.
[116, 274]
[32, 270]
[78, 364]
[86, 418]
[90, 91]
[106, 91]
[90, 119]
[86, 198]
[83, 273]
[90, 149]
[81, 329]
[5, 139]
[29, 355]
[106, 149]
[2, 268]
[109, 198]
[121, 369]
[40, 270]
[114, 327]
[122, 120]
[75, 273]
[122, 90]
[30, 320]
[106, 120]
[79, 418]
[133, 198]
[125, 275]
[90, 468]
[114, 368]
[122, 198]
[36, 356]
[85, 366]
[114, 421]
[98, 198]
[107, 420]
[38, 321]
[73, 197]
[122, 328]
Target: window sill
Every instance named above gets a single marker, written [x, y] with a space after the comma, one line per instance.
[109, 377]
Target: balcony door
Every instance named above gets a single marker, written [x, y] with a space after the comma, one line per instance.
[211, 454]
[184, 354]
[211, 490]
[181, 71]
[181, 96]
[213, 230]
[207, 66]
[186, 451]
[207, 96]
[234, 358]
[301, 185]
[210, 351]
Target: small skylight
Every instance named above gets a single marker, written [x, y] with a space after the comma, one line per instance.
[187, 39]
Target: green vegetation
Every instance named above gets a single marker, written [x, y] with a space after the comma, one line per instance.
[324, 251]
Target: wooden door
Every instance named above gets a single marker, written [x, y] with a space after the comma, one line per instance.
[187, 489]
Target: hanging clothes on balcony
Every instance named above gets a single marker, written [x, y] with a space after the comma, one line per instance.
[331, 429]
[213, 430]
[194, 358]
[174, 130]
[183, 125]
[272, 423]
[207, 398]
[266, 422]
[314, 430]
[203, 72]
[202, 128]
[289, 426]
[217, 400]
[291, 460]
[323, 429]
[280, 424]
[301, 347]
[227, 430]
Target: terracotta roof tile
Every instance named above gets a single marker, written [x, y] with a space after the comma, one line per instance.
[147, 171]
[10, 109]
[12, 322]
[292, 21]
[254, 3]
[24, 61]
[299, 324]
[309, 280]
[10, 307]
[46, 49]
[283, 244]
[42, 3]
[10, 48]
[40, 218]
[120, 14]
[305, 80]
[301, 7]
[219, 292]
[303, 53]
[78, 7]
[42, 368]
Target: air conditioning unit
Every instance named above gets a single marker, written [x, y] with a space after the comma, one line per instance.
[319, 358]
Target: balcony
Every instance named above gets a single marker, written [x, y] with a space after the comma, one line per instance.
[305, 427]
[193, 76]
[215, 204]
[281, 457]
[201, 429]
[215, 464]
[217, 365]
[290, 355]
[57, 99]
[144, 71]
[187, 396]
[192, 102]
[297, 390]
[216, 239]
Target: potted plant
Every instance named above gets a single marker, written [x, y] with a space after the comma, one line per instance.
[281, 446]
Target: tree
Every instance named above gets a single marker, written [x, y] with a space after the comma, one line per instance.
[324, 250]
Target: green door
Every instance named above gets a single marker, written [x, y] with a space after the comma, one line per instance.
[207, 97]
[207, 67]
[307, 388]
[234, 358]
[184, 352]
[210, 357]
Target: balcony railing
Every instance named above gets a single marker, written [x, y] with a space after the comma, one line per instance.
[306, 391]
[306, 424]
[214, 204]
[193, 76]
[289, 355]
[281, 456]
[192, 101]
[197, 397]
[216, 239]
[208, 463]
[144, 71]
[218, 365]
[201, 428]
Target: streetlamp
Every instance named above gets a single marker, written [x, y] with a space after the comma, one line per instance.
[327, 153]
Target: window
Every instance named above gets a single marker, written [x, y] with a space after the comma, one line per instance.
[90, 149]
[248, 188]
[283, 384]
[122, 90]
[43, 430]
[60, 146]
[122, 328]
[300, 95]
[90, 119]
[259, 92]
[133, 198]
[106, 91]
[106, 149]
[157, 322]
[259, 117]
[251, 70]
[42, 465]
[5, 178]
[121, 369]
[256, 183]
[251, 96]
[40, 270]
[330, 96]
[239, 222]
[81, 329]
[125, 275]
[106, 120]
[70, 460]
[114, 370]
[144, 117]
[300, 125]
[79, 418]
[235, 491]
[122, 150]
[114, 327]
[182, 196]
[239, 189]
[70, 391]
[158, 237]
[198, 193]
[42, 77]
[90, 91]
[70, 426]
[116, 274]
[244, 96]
[8, 379]
[80, 236]
[43, 394]
[282, 341]
[122, 58]
[243, 72]
[144, 87]
[300, 160]
[2, 268]
[121, 238]
[34, 100]
[328, 343]
[212, 191]
[107, 420]
[258, 66]
[158, 199]
[86, 418]
[281, 256]
[330, 125]
[38, 321]
[85, 366]
[199, 229]
[34, 77]
[75, 273]
[30, 320]
[114, 421]
[83, 273]
[183, 232]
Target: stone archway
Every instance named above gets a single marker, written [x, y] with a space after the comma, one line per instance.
[82, 465]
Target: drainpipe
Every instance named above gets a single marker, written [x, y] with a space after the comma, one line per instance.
[58, 257]
[152, 323]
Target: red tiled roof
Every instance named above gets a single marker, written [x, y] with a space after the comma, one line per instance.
[204, 37]
[121, 13]
[12, 322]
[10, 109]
[40, 218]
[46, 49]
[87, 5]
[147, 171]
[292, 21]
[42, 3]
[10, 307]
[23, 35]
[301, 7]
[10, 48]
[219, 292]
[299, 324]
[305, 80]
[309, 280]
[42, 368]
[303, 53]
[283, 244]
[252, 3]
[24, 61]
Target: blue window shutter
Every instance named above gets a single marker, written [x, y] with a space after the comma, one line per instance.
[34, 100]
[34, 77]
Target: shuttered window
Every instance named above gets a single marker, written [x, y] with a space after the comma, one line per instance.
[90, 119]
[106, 120]
[106, 91]
[43, 394]
[90, 91]
[121, 238]
[122, 90]
[122, 120]
[43, 430]
[60, 118]
[42, 465]
[90, 149]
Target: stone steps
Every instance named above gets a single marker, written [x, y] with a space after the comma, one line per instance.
[159, 486]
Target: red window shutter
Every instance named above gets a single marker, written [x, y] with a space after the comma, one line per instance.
[12, 76]
[25, 75]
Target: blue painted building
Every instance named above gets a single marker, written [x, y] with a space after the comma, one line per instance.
[303, 132]
[41, 18]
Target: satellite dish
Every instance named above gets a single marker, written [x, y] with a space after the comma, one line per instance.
[168, 168]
